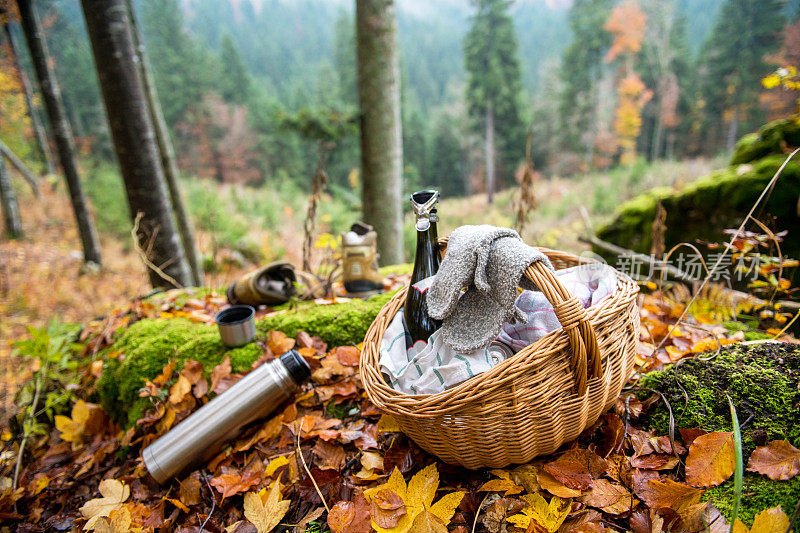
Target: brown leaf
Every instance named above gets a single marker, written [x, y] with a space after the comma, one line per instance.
[234, 482]
[576, 468]
[554, 486]
[278, 343]
[348, 355]
[689, 434]
[386, 508]
[165, 374]
[200, 389]
[778, 460]
[711, 459]
[190, 490]
[575, 521]
[329, 456]
[222, 370]
[192, 371]
[331, 367]
[609, 497]
[495, 516]
[350, 517]
[660, 494]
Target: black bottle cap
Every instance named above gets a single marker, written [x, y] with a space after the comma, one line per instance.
[296, 366]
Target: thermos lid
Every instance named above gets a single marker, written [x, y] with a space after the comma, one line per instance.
[296, 366]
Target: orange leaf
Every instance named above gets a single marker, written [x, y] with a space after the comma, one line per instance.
[778, 460]
[231, 483]
[711, 459]
[348, 355]
[221, 371]
[278, 343]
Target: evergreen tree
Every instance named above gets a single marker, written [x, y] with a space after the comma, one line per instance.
[732, 65]
[234, 85]
[344, 57]
[448, 168]
[494, 84]
[182, 68]
[582, 67]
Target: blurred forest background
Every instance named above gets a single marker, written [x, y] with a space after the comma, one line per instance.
[614, 97]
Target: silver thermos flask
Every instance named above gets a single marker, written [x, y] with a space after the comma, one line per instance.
[202, 435]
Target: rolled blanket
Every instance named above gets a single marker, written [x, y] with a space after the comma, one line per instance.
[489, 262]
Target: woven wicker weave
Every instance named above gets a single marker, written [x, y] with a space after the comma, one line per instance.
[532, 403]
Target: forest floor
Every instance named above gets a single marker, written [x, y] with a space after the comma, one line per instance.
[328, 459]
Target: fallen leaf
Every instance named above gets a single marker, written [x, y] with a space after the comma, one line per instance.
[548, 515]
[265, 512]
[234, 482]
[386, 508]
[609, 497]
[575, 468]
[190, 490]
[278, 343]
[494, 518]
[506, 486]
[87, 419]
[767, 521]
[387, 424]
[192, 371]
[711, 459]
[179, 389]
[348, 355]
[350, 517]
[778, 460]
[554, 486]
[114, 495]
[329, 456]
[119, 521]
[220, 372]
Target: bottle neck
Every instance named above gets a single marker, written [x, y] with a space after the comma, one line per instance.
[426, 260]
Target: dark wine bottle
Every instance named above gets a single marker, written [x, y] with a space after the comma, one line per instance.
[426, 263]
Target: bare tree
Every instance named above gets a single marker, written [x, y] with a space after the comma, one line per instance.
[9, 204]
[62, 133]
[134, 139]
[38, 128]
[167, 153]
[381, 128]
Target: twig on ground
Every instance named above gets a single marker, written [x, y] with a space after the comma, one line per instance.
[478, 512]
[213, 503]
[302, 460]
[143, 255]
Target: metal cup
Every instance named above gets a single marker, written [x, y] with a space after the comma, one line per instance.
[237, 325]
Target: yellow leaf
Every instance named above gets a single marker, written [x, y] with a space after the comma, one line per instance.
[446, 506]
[770, 521]
[422, 516]
[120, 522]
[72, 429]
[427, 522]
[386, 424]
[265, 516]
[179, 389]
[549, 516]
[114, 495]
[506, 486]
[275, 464]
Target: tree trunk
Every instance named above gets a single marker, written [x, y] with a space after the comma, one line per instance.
[134, 139]
[51, 94]
[17, 163]
[381, 129]
[8, 200]
[167, 154]
[733, 131]
[38, 128]
[490, 153]
[658, 139]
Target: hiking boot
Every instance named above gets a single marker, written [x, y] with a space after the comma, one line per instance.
[360, 261]
[271, 284]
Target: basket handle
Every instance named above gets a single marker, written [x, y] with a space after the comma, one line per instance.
[572, 317]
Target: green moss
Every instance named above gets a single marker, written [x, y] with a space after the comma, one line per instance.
[147, 346]
[758, 493]
[336, 324]
[763, 382]
[705, 207]
[768, 140]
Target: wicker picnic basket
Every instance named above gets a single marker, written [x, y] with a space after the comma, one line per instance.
[531, 403]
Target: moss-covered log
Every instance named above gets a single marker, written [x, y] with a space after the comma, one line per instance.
[763, 382]
[702, 209]
[141, 351]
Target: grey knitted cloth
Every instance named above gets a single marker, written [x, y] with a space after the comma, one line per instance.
[489, 262]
